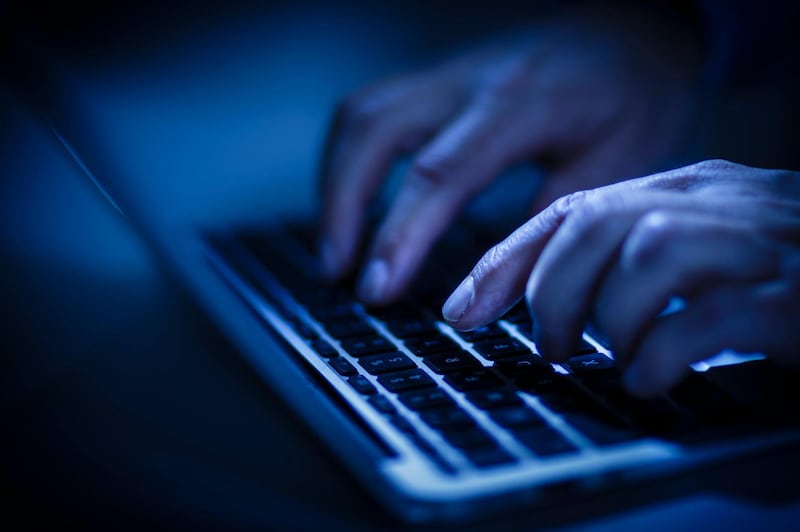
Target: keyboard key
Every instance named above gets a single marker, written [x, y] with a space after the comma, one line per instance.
[362, 385]
[584, 348]
[342, 367]
[427, 345]
[552, 383]
[396, 312]
[516, 416]
[406, 380]
[488, 399]
[500, 347]
[411, 327]
[517, 314]
[303, 329]
[332, 312]
[426, 399]
[402, 424]
[469, 438]
[543, 441]
[598, 430]
[324, 349]
[450, 418]
[386, 362]
[482, 333]
[572, 400]
[704, 400]
[451, 361]
[592, 363]
[489, 457]
[523, 366]
[475, 379]
[382, 404]
[349, 328]
[367, 346]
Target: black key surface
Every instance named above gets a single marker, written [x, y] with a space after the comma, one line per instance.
[469, 438]
[350, 328]
[426, 345]
[367, 346]
[342, 367]
[382, 404]
[406, 380]
[362, 385]
[552, 383]
[523, 366]
[501, 347]
[483, 333]
[451, 361]
[517, 314]
[574, 400]
[543, 441]
[488, 399]
[705, 400]
[331, 312]
[598, 430]
[591, 363]
[475, 379]
[448, 418]
[403, 424]
[386, 362]
[303, 329]
[411, 327]
[426, 399]
[516, 416]
[584, 348]
[324, 349]
[489, 457]
[396, 312]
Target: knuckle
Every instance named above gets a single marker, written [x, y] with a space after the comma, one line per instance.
[649, 237]
[714, 165]
[708, 171]
[509, 79]
[432, 169]
[357, 113]
[563, 206]
[590, 219]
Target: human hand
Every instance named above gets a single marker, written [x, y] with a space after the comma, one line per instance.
[723, 237]
[601, 94]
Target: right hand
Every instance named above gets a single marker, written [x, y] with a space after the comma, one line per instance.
[604, 95]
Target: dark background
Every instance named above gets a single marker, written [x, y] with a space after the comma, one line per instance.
[121, 405]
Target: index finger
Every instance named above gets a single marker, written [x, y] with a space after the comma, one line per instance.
[369, 132]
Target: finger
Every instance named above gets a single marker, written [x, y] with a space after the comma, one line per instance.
[669, 254]
[498, 279]
[751, 319]
[563, 281]
[461, 160]
[369, 132]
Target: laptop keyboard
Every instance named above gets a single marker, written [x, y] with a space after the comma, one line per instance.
[477, 399]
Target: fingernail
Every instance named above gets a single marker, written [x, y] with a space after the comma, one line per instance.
[374, 281]
[329, 256]
[457, 304]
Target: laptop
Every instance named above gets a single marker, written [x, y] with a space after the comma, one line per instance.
[439, 425]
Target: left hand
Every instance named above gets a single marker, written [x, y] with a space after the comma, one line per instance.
[723, 237]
